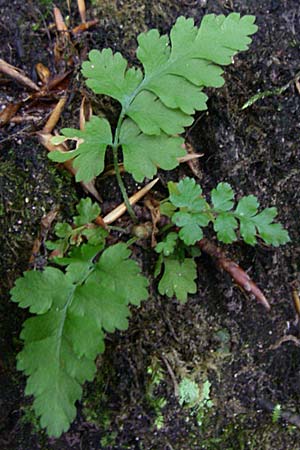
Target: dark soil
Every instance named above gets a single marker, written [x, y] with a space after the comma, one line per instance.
[220, 335]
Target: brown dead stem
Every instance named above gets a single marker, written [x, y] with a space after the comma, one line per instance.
[241, 278]
[59, 21]
[84, 26]
[121, 209]
[18, 75]
[55, 116]
[82, 10]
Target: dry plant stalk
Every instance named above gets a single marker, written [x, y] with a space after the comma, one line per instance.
[82, 10]
[59, 21]
[15, 73]
[121, 209]
[55, 115]
[241, 278]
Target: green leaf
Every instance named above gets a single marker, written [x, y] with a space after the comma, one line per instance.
[152, 116]
[87, 210]
[176, 70]
[222, 197]
[248, 230]
[247, 206]
[225, 226]
[40, 290]
[168, 245]
[190, 224]
[167, 209]
[63, 230]
[187, 194]
[80, 261]
[56, 365]
[271, 233]
[106, 74]
[176, 92]
[194, 211]
[62, 342]
[143, 154]
[91, 147]
[95, 236]
[178, 278]
[106, 295]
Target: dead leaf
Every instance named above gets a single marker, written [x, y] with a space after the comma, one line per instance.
[192, 160]
[153, 206]
[46, 223]
[9, 112]
[43, 73]
[85, 112]
[45, 140]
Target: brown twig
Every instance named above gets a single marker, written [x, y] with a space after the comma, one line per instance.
[296, 301]
[55, 116]
[241, 278]
[82, 10]
[13, 72]
[286, 338]
[59, 21]
[9, 112]
[84, 26]
[172, 375]
[120, 210]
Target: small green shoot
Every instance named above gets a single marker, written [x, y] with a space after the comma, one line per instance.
[194, 398]
[264, 94]
[156, 402]
[276, 413]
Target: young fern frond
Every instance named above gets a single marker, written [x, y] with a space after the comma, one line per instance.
[189, 211]
[74, 309]
[159, 102]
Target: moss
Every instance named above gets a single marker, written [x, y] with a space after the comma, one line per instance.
[95, 408]
[30, 187]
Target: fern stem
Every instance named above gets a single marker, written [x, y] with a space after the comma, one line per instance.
[121, 184]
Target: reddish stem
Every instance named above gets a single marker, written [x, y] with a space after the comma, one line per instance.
[241, 278]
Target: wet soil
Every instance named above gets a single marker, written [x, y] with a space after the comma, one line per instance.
[220, 335]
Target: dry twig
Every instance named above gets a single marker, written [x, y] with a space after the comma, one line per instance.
[15, 73]
[121, 209]
[241, 278]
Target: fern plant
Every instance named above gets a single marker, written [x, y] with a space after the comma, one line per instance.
[74, 305]
[189, 213]
[81, 295]
[158, 102]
